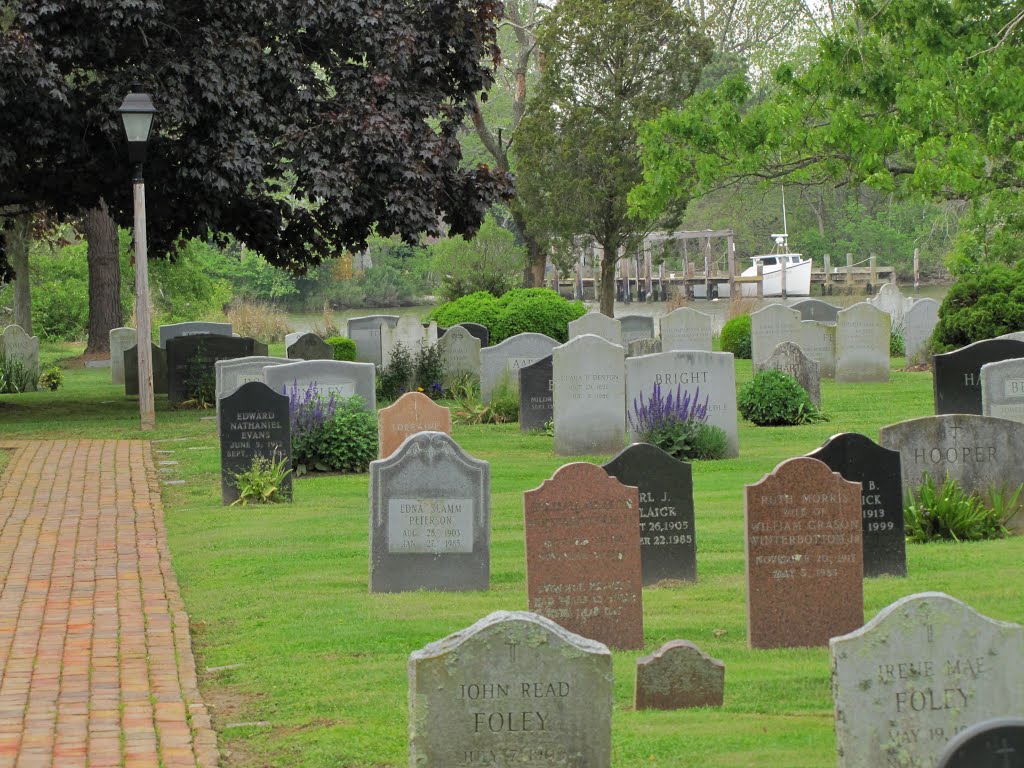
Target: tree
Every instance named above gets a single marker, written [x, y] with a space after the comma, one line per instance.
[608, 66]
[296, 127]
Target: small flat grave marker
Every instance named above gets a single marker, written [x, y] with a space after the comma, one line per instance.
[679, 676]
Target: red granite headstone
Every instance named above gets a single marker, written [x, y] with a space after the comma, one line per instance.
[412, 413]
[583, 554]
[805, 559]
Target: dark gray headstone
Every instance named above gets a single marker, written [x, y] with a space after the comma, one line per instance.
[479, 331]
[190, 358]
[815, 309]
[997, 743]
[878, 470]
[668, 541]
[131, 370]
[254, 423]
[957, 375]
[535, 395]
[309, 346]
[192, 328]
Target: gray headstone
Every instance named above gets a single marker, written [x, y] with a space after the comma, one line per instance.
[233, 373]
[598, 324]
[131, 370]
[365, 332]
[15, 344]
[291, 338]
[309, 346]
[818, 342]
[121, 339]
[430, 518]
[460, 353]
[1002, 389]
[1016, 336]
[789, 358]
[475, 329]
[996, 743]
[862, 344]
[891, 300]
[923, 669]
[706, 376]
[176, 330]
[636, 327]
[643, 347]
[981, 453]
[192, 357]
[410, 333]
[815, 309]
[501, 363]
[678, 676]
[254, 422]
[769, 327]
[918, 323]
[513, 688]
[341, 377]
[536, 387]
[956, 376]
[589, 396]
[686, 329]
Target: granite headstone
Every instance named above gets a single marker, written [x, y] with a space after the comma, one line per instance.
[158, 357]
[233, 373]
[995, 743]
[815, 309]
[254, 423]
[500, 363]
[121, 339]
[536, 386]
[598, 324]
[640, 347]
[460, 353]
[413, 412]
[862, 344]
[309, 346]
[1002, 389]
[340, 377]
[192, 328]
[957, 375]
[918, 323]
[191, 361]
[365, 332]
[769, 327]
[636, 327]
[589, 398]
[789, 358]
[686, 329]
[679, 675]
[410, 333]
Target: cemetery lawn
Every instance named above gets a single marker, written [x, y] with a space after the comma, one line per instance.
[303, 668]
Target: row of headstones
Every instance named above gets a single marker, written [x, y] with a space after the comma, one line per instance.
[681, 329]
[18, 346]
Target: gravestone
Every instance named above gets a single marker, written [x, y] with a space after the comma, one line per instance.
[769, 327]
[643, 347]
[589, 398]
[231, 374]
[460, 353]
[923, 669]
[309, 346]
[995, 743]
[121, 339]
[668, 538]
[177, 330]
[918, 323]
[789, 358]
[191, 362]
[583, 554]
[891, 300]
[818, 342]
[635, 327]
[805, 559]
[815, 309]
[598, 324]
[514, 688]
[862, 344]
[686, 329]
[477, 331]
[430, 518]
[254, 422]
[1015, 335]
[708, 377]
[536, 386]
[858, 458]
[291, 338]
[412, 413]
[365, 332]
[980, 452]
[15, 344]
[957, 375]
[1002, 389]
[340, 377]
[500, 364]
[131, 370]
[410, 333]
[678, 676]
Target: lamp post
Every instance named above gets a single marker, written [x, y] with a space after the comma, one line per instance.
[137, 112]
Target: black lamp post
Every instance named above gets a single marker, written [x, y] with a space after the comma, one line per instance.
[137, 112]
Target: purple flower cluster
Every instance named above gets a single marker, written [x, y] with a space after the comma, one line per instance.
[309, 410]
[660, 410]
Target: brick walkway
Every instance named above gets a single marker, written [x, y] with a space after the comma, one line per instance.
[96, 660]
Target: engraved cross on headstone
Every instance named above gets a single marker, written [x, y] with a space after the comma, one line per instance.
[511, 649]
[1006, 751]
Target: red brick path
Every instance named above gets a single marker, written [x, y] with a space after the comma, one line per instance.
[96, 660]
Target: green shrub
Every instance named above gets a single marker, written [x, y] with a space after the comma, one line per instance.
[52, 378]
[262, 482]
[735, 337]
[429, 377]
[490, 262]
[348, 442]
[397, 375]
[16, 377]
[980, 306]
[676, 422]
[480, 307]
[896, 346]
[60, 310]
[950, 513]
[344, 348]
[503, 408]
[689, 439]
[523, 310]
[775, 399]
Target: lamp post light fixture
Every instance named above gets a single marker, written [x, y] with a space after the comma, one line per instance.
[137, 113]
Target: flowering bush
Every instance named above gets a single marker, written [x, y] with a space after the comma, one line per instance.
[677, 423]
[330, 433]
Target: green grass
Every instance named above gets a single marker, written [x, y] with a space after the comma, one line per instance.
[282, 591]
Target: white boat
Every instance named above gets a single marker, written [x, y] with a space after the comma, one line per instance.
[798, 272]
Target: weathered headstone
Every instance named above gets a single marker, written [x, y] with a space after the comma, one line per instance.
[995, 743]
[514, 688]
[1002, 389]
[862, 344]
[769, 327]
[636, 327]
[233, 373]
[706, 376]
[194, 328]
[919, 321]
[309, 346]
[668, 539]
[412, 413]
[121, 339]
[957, 375]
[191, 362]
[341, 377]
[858, 458]
[805, 559]
[686, 329]
[430, 518]
[131, 370]
[815, 309]
[254, 423]
[789, 358]
[818, 342]
[678, 676]
[536, 404]
[476, 330]
[15, 344]
[891, 300]
[291, 338]
[500, 364]
[589, 400]
[460, 353]
[598, 324]
[923, 669]
[410, 333]
[981, 453]
[583, 554]
[365, 332]
[640, 347]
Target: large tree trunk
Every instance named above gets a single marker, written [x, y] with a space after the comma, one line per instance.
[19, 233]
[609, 258]
[536, 261]
[104, 278]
